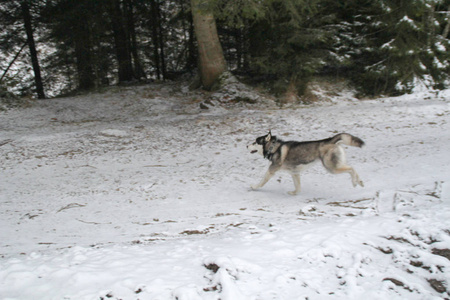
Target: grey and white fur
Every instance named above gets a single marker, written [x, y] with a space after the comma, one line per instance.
[293, 156]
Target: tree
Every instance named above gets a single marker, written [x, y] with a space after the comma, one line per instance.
[121, 42]
[18, 20]
[138, 71]
[398, 43]
[291, 43]
[14, 62]
[75, 40]
[32, 46]
[383, 46]
[157, 38]
[211, 59]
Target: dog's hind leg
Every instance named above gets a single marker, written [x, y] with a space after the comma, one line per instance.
[296, 179]
[334, 161]
[347, 169]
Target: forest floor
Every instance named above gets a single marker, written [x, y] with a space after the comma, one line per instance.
[138, 193]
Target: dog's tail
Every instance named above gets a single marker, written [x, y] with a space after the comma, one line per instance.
[347, 139]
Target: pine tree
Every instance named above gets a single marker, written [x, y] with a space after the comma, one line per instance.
[121, 41]
[399, 45]
[384, 46]
[27, 20]
[129, 6]
[76, 27]
[19, 22]
[157, 39]
[291, 43]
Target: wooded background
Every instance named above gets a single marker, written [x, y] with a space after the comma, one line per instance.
[53, 47]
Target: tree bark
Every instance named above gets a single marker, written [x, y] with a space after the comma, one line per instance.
[155, 39]
[31, 44]
[447, 26]
[121, 43]
[211, 59]
[12, 62]
[86, 80]
[161, 41]
[83, 53]
[139, 72]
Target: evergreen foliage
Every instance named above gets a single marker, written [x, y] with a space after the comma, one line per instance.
[400, 42]
[15, 17]
[383, 46]
[292, 43]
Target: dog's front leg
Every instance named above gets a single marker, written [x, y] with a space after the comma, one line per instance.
[269, 174]
[266, 178]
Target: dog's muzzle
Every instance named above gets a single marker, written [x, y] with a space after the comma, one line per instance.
[252, 148]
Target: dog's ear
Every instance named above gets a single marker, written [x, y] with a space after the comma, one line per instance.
[269, 136]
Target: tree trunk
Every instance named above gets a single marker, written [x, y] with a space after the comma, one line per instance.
[86, 80]
[121, 44]
[211, 59]
[188, 52]
[34, 59]
[239, 48]
[12, 62]
[82, 40]
[192, 56]
[161, 41]
[447, 26]
[139, 72]
[155, 39]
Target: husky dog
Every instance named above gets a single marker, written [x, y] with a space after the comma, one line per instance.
[294, 157]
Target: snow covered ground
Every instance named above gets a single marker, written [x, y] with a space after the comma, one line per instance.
[136, 193]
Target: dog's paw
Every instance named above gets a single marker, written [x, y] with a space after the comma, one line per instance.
[255, 186]
[359, 182]
[293, 193]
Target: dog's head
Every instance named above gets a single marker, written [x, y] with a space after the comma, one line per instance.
[259, 146]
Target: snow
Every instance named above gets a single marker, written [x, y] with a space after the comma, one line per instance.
[388, 45]
[438, 64]
[137, 193]
[440, 47]
[407, 20]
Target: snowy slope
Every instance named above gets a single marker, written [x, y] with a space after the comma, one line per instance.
[138, 194]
